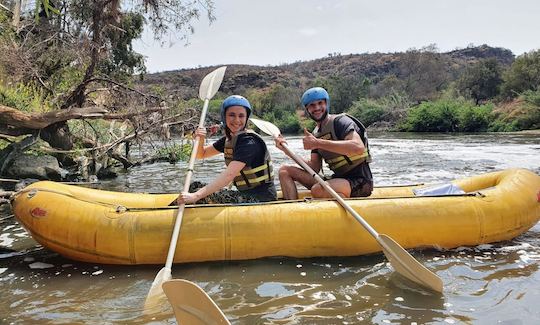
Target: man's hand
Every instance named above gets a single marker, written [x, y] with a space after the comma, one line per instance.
[310, 141]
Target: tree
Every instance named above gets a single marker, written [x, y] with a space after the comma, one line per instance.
[524, 74]
[424, 73]
[344, 90]
[482, 80]
[80, 54]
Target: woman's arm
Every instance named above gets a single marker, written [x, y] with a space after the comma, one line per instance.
[218, 183]
[204, 151]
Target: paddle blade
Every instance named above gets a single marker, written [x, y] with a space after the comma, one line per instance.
[191, 304]
[155, 296]
[210, 84]
[408, 266]
[266, 127]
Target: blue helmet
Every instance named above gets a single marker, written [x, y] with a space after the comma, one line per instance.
[314, 94]
[234, 100]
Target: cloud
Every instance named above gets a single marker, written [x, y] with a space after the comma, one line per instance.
[308, 31]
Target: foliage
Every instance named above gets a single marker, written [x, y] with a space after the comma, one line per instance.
[124, 61]
[72, 44]
[344, 90]
[174, 153]
[523, 75]
[368, 111]
[448, 116]
[27, 98]
[423, 73]
[278, 105]
[481, 81]
[532, 97]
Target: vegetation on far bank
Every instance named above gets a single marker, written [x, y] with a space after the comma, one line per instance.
[424, 95]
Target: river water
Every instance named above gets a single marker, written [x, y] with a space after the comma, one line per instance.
[489, 284]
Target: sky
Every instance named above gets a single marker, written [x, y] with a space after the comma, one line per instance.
[275, 32]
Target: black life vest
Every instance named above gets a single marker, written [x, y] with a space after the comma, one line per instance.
[338, 163]
[250, 177]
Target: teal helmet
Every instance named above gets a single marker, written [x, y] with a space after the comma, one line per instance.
[234, 100]
[314, 94]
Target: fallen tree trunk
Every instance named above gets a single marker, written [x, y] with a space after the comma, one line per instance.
[17, 119]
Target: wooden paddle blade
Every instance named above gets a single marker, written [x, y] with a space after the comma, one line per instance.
[266, 127]
[408, 266]
[191, 304]
[155, 296]
[210, 84]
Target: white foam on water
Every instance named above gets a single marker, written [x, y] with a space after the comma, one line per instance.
[519, 247]
[40, 265]
[6, 240]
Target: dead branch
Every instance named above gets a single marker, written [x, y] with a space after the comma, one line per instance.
[13, 117]
[103, 79]
[137, 133]
[15, 122]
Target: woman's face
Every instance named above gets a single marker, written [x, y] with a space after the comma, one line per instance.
[236, 118]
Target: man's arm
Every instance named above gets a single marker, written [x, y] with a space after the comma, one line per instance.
[351, 145]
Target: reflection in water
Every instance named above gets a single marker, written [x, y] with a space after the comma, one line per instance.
[485, 284]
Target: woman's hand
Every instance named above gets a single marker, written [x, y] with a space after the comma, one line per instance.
[187, 198]
[280, 140]
[200, 132]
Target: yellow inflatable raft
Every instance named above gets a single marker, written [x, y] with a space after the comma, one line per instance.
[128, 228]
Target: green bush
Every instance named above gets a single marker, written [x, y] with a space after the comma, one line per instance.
[287, 124]
[368, 111]
[500, 125]
[532, 97]
[448, 116]
[474, 118]
[175, 152]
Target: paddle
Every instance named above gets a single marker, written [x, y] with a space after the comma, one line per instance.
[191, 304]
[207, 90]
[400, 260]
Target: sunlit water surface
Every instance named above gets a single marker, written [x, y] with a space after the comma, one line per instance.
[488, 284]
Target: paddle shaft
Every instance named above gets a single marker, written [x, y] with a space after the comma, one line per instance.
[330, 190]
[187, 182]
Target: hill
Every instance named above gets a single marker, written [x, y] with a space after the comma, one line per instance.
[374, 66]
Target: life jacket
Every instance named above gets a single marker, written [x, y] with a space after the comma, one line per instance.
[249, 177]
[338, 163]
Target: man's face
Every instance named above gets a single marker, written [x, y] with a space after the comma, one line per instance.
[317, 109]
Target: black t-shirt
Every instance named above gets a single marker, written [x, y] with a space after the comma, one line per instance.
[342, 127]
[250, 150]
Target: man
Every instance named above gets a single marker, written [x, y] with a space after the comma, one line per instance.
[339, 140]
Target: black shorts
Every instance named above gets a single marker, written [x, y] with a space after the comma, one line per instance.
[360, 187]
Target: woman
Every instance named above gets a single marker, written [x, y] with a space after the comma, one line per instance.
[247, 158]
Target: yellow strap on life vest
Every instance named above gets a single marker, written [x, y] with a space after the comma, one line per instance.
[337, 162]
[254, 180]
[254, 170]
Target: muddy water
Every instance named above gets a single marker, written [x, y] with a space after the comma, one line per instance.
[488, 284]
